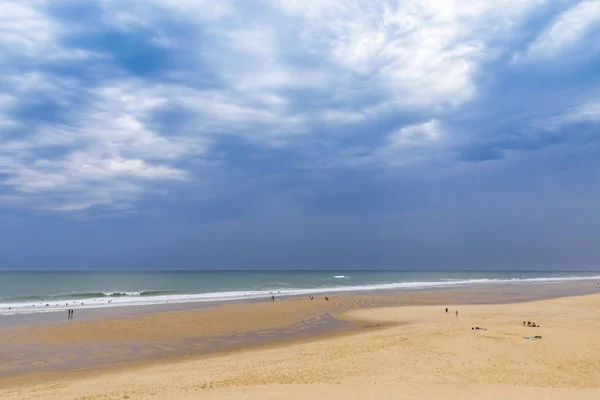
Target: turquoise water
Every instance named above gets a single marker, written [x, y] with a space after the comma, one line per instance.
[28, 292]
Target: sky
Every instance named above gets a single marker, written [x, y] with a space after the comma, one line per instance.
[413, 134]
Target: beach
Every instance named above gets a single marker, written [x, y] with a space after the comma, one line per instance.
[364, 346]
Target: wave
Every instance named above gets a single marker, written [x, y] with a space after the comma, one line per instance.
[119, 294]
[341, 277]
[89, 295]
[116, 293]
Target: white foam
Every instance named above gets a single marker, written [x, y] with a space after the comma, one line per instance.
[121, 293]
[134, 299]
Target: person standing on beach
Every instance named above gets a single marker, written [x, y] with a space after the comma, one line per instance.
[456, 313]
[446, 310]
[273, 298]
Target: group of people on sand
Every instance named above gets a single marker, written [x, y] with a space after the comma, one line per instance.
[531, 324]
[310, 297]
[455, 312]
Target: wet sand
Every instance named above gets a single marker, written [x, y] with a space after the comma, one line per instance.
[484, 294]
[310, 333]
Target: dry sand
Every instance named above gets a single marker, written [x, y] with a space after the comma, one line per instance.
[414, 352]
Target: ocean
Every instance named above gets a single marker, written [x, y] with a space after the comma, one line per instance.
[52, 291]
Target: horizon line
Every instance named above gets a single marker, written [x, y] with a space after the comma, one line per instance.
[300, 270]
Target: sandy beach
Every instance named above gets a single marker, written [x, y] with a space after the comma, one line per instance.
[362, 347]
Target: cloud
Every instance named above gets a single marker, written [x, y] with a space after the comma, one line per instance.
[196, 9]
[107, 144]
[7, 102]
[106, 102]
[394, 124]
[414, 53]
[568, 33]
[565, 127]
[342, 116]
[228, 112]
[587, 112]
[412, 145]
[26, 31]
[416, 135]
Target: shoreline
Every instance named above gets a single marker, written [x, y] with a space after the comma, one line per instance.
[48, 305]
[567, 288]
[143, 335]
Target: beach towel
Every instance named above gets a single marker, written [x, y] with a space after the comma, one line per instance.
[533, 337]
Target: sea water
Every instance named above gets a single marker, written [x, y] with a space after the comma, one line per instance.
[35, 291]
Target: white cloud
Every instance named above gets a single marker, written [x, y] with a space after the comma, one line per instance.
[226, 112]
[567, 31]
[24, 29]
[587, 112]
[109, 145]
[112, 141]
[416, 135]
[410, 145]
[7, 122]
[27, 31]
[198, 9]
[109, 149]
[342, 116]
[80, 169]
[419, 53]
[81, 180]
[250, 62]
[133, 14]
[7, 102]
